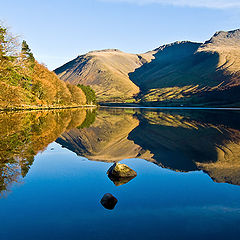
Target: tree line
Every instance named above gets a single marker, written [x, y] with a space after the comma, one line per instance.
[25, 82]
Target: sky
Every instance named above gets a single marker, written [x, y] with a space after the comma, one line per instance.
[58, 31]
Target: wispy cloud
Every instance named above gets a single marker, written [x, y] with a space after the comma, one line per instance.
[217, 4]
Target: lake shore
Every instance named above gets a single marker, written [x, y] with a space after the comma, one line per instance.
[29, 108]
[135, 105]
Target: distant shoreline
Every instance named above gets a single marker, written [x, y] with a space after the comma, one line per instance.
[169, 108]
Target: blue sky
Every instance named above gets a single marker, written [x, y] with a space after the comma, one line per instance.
[58, 31]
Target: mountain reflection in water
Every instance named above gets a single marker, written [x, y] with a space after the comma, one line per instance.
[181, 140]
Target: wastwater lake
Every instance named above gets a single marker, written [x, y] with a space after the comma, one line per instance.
[53, 174]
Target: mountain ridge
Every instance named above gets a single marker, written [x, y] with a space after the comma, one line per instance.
[182, 72]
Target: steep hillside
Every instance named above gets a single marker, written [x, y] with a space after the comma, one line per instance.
[155, 73]
[40, 88]
[24, 83]
[106, 72]
[227, 46]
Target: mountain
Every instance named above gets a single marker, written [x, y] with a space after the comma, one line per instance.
[179, 73]
[105, 71]
[166, 58]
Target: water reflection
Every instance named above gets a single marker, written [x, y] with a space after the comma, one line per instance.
[120, 181]
[179, 140]
[24, 134]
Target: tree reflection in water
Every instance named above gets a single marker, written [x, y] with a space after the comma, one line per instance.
[24, 134]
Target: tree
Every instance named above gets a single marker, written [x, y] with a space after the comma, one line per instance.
[27, 55]
[8, 53]
[8, 44]
[2, 41]
[24, 81]
[90, 94]
[77, 95]
[27, 51]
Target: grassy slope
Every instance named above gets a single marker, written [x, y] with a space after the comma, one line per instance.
[105, 71]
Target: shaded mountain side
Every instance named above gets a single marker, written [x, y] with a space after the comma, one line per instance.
[208, 75]
[106, 140]
[155, 73]
[105, 71]
[227, 46]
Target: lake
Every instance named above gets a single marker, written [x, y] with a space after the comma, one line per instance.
[54, 167]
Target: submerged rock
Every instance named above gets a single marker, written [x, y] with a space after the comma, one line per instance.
[118, 171]
[109, 201]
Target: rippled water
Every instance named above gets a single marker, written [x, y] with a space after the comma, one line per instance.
[53, 168]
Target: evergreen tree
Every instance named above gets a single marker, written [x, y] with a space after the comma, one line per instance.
[27, 54]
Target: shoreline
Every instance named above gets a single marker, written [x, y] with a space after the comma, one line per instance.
[31, 108]
[148, 106]
[176, 108]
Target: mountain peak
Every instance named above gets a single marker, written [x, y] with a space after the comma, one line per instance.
[225, 37]
[228, 34]
[177, 43]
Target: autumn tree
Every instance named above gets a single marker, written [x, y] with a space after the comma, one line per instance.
[23, 81]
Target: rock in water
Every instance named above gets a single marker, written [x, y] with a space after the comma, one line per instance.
[109, 201]
[117, 171]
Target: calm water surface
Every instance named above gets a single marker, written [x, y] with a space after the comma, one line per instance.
[53, 168]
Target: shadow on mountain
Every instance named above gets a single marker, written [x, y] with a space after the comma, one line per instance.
[177, 64]
[182, 73]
